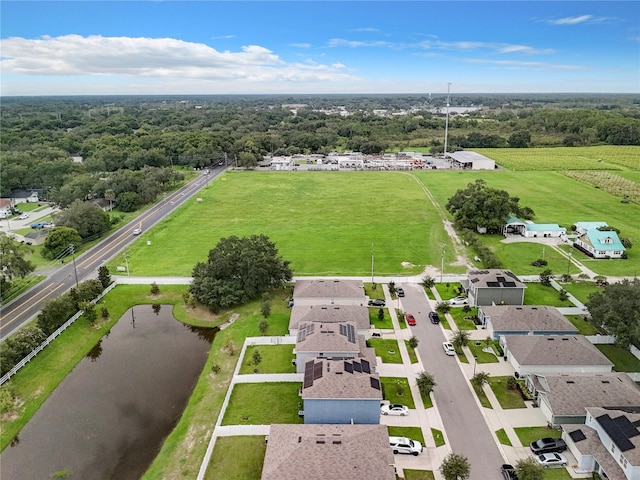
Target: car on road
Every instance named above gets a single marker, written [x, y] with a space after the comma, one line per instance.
[24, 216]
[551, 460]
[448, 348]
[394, 409]
[508, 472]
[377, 302]
[400, 292]
[548, 445]
[137, 231]
[411, 320]
[405, 445]
[458, 301]
[433, 316]
[42, 225]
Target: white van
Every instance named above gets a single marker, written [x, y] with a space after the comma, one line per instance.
[405, 445]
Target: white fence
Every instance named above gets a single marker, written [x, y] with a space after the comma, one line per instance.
[601, 339]
[49, 339]
[635, 351]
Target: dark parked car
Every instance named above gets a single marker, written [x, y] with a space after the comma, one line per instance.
[400, 292]
[433, 316]
[376, 302]
[508, 472]
[548, 445]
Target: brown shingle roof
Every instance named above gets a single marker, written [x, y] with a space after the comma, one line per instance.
[329, 289]
[554, 350]
[591, 445]
[330, 314]
[571, 394]
[328, 452]
[527, 318]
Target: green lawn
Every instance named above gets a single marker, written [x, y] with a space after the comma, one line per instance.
[502, 437]
[581, 290]
[372, 293]
[531, 434]
[538, 294]
[263, 404]
[414, 433]
[275, 359]
[387, 349]
[418, 474]
[558, 474]
[484, 401]
[583, 326]
[305, 216]
[623, 360]
[447, 290]
[384, 324]
[483, 357]
[438, 437]
[390, 391]
[508, 399]
[226, 464]
[412, 352]
[461, 322]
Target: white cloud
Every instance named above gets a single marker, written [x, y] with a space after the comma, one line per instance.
[364, 29]
[152, 57]
[494, 47]
[300, 45]
[588, 19]
[521, 65]
[340, 42]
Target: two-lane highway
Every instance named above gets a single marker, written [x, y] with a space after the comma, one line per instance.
[27, 305]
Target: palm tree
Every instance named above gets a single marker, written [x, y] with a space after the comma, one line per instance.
[479, 379]
[425, 383]
[460, 338]
[111, 196]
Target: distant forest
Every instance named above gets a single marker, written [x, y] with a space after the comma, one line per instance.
[128, 144]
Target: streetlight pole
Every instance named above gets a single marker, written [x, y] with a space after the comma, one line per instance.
[569, 261]
[475, 362]
[442, 265]
[372, 256]
[73, 253]
[126, 260]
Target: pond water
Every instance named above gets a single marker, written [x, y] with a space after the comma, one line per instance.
[109, 417]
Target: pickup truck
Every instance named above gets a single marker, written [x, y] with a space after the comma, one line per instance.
[508, 472]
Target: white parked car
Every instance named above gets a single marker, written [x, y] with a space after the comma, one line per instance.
[458, 301]
[448, 348]
[394, 409]
[24, 216]
[551, 460]
[137, 231]
[405, 445]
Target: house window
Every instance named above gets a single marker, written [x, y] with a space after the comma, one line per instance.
[601, 253]
[623, 461]
[613, 448]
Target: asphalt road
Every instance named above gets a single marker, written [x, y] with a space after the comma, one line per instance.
[26, 306]
[466, 428]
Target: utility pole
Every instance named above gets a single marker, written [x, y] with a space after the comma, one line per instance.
[569, 261]
[442, 265]
[372, 264]
[446, 123]
[73, 253]
[126, 260]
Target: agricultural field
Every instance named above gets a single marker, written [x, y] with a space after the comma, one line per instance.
[609, 182]
[605, 157]
[324, 223]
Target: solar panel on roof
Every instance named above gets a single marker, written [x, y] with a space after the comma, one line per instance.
[317, 371]
[375, 383]
[509, 284]
[343, 330]
[493, 284]
[356, 366]
[365, 366]
[612, 428]
[308, 379]
[500, 279]
[348, 367]
[577, 435]
[474, 280]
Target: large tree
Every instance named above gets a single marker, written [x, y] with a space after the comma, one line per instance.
[87, 218]
[455, 467]
[13, 262]
[480, 206]
[237, 270]
[618, 309]
[58, 241]
[529, 469]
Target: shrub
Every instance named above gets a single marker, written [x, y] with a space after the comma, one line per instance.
[539, 263]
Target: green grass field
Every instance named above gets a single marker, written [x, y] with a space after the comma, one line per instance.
[275, 359]
[263, 404]
[508, 398]
[386, 349]
[391, 391]
[227, 464]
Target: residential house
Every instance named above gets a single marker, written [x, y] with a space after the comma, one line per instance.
[608, 443]
[329, 292]
[494, 287]
[328, 452]
[470, 161]
[333, 341]
[325, 314]
[524, 320]
[600, 244]
[5, 207]
[583, 227]
[564, 399]
[549, 354]
[528, 229]
[25, 196]
[346, 391]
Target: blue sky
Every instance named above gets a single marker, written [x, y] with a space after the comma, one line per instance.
[300, 47]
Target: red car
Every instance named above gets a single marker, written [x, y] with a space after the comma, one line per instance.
[410, 319]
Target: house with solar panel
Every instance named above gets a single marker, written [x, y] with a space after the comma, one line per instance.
[598, 243]
[329, 292]
[493, 287]
[341, 391]
[608, 443]
[330, 314]
[333, 341]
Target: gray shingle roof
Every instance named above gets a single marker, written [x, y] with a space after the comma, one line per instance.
[554, 350]
[337, 382]
[528, 318]
[329, 289]
[591, 445]
[494, 278]
[326, 337]
[572, 394]
[328, 452]
[330, 314]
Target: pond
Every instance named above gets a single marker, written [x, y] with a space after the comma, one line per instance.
[110, 415]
